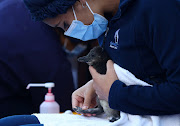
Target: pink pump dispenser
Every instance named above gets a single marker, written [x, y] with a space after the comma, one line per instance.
[49, 105]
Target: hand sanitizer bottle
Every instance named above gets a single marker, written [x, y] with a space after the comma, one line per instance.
[49, 105]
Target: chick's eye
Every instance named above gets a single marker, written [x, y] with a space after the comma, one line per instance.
[92, 55]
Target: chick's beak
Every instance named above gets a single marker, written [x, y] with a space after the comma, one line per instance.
[83, 59]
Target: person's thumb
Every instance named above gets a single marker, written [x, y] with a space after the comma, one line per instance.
[87, 102]
[110, 66]
[93, 72]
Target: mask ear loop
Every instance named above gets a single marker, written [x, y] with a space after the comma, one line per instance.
[89, 8]
[74, 13]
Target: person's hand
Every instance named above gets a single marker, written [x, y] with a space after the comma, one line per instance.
[84, 97]
[102, 83]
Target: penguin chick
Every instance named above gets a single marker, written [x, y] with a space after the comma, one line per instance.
[97, 58]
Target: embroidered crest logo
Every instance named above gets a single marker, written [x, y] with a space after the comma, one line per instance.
[114, 44]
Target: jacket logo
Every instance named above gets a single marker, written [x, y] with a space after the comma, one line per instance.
[115, 44]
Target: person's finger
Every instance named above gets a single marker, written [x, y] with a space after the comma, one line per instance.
[110, 70]
[80, 104]
[93, 72]
[110, 66]
[87, 102]
[76, 100]
[87, 114]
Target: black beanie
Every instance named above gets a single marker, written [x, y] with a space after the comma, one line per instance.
[41, 9]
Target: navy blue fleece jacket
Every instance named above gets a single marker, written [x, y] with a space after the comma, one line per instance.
[30, 52]
[144, 38]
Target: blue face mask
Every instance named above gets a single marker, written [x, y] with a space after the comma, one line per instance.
[87, 32]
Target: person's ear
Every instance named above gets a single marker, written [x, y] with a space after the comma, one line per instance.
[83, 2]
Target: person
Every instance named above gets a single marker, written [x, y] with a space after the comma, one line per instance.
[30, 52]
[141, 36]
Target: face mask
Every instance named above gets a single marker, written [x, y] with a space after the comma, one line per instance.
[87, 32]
